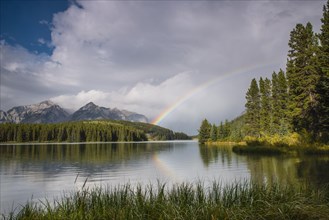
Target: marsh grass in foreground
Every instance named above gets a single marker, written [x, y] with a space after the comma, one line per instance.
[185, 201]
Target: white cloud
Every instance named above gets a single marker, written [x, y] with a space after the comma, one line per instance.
[142, 56]
[74, 102]
[145, 98]
[41, 41]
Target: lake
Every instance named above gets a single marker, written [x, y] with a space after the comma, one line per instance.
[50, 170]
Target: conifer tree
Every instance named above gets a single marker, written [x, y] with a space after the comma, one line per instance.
[227, 129]
[303, 77]
[213, 133]
[283, 99]
[204, 131]
[252, 110]
[266, 109]
[275, 104]
[220, 131]
[279, 103]
[323, 85]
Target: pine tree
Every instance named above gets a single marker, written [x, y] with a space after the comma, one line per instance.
[204, 131]
[303, 77]
[213, 133]
[323, 85]
[280, 122]
[275, 104]
[220, 131]
[227, 129]
[283, 99]
[252, 110]
[266, 108]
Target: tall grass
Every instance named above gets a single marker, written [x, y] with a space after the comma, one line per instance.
[185, 201]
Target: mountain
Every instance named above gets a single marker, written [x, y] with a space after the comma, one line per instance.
[3, 117]
[132, 116]
[43, 112]
[49, 112]
[93, 112]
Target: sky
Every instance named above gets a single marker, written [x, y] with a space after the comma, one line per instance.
[177, 62]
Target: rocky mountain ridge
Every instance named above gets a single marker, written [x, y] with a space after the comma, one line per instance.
[49, 112]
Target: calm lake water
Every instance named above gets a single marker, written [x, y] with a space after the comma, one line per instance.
[49, 171]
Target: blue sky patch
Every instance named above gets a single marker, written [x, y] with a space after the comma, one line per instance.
[28, 23]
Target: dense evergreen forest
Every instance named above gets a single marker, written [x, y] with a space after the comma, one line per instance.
[155, 132]
[86, 131]
[292, 106]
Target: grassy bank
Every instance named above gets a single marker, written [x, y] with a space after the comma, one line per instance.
[186, 201]
[276, 150]
[225, 143]
[263, 150]
[273, 145]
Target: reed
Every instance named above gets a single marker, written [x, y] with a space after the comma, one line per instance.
[244, 200]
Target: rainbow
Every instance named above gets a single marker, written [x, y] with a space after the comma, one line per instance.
[164, 168]
[180, 100]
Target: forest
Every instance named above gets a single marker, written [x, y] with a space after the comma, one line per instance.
[291, 107]
[86, 131]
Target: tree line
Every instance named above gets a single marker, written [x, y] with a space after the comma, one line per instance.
[155, 132]
[69, 132]
[87, 131]
[294, 101]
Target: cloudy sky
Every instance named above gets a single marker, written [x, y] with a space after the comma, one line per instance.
[185, 60]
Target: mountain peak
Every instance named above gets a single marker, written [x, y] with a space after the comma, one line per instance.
[94, 112]
[43, 112]
[44, 104]
[89, 105]
[49, 112]
[47, 102]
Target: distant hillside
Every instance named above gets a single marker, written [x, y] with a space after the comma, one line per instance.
[155, 132]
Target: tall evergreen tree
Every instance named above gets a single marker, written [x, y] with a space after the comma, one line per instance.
[252, 110]
[275, 103]
[281, 107]
[283, 99]
[227, 129]
[213, 133]
[204, 131]
[323, 85]
[266, 108]
[303, 77]
[220, 131]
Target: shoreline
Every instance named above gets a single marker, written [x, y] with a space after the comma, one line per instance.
[244, 147]
[93, 142]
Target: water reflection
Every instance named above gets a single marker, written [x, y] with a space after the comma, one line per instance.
[314, 170]
[88, 159]
[212, 154]
[48, 170]
[271, 169]
[90, 153]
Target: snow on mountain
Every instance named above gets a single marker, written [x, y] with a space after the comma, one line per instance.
[92, 112]
[4, 117]
[49, 112]
[43, 112]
